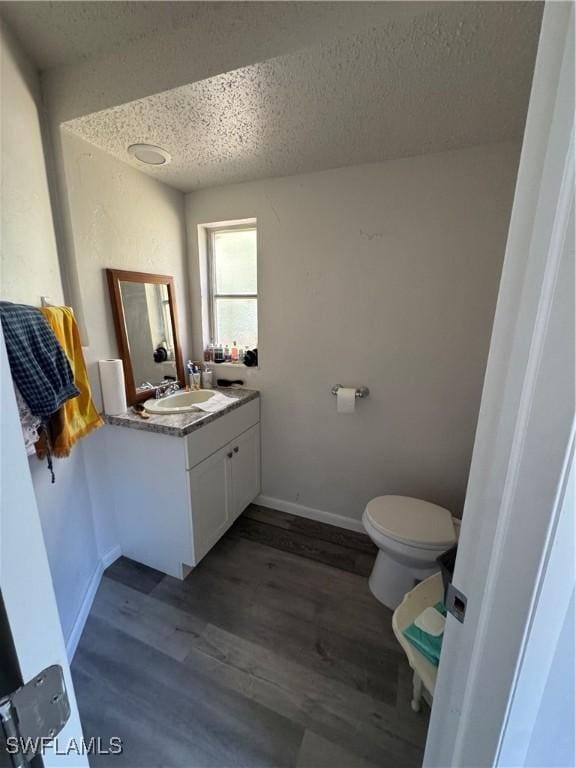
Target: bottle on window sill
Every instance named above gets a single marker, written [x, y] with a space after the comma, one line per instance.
[218, 355]
[226, 354]
[234, 353]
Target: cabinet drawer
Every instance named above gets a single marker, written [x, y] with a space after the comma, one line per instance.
[208, 439]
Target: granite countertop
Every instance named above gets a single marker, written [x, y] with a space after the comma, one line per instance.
[182, 424]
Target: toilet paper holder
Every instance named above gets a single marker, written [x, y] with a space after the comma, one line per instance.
[360, 391]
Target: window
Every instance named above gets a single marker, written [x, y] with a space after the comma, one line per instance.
[233, 286]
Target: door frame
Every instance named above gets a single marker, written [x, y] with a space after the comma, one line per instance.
[525, 428]
[31, 613]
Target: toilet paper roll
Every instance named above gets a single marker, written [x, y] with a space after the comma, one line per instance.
[346, 400]
[113, 389]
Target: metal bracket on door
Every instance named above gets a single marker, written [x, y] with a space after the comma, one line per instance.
[33, 715]
[456, 602]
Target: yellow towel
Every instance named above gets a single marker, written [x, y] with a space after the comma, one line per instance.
[78, 416]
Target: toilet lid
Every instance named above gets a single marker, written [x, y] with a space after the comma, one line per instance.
[412, 521]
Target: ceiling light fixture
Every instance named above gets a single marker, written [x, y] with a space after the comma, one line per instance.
[149, 154]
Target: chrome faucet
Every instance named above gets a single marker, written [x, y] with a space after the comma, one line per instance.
[166, 388]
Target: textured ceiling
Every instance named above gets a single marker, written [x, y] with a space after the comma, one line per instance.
[457, 76]
[63, 32]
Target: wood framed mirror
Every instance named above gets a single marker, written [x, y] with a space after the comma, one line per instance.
[146, 322]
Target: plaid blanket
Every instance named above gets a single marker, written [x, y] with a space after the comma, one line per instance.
[38, 363]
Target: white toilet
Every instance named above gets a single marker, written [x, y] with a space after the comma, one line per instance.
[410, 534]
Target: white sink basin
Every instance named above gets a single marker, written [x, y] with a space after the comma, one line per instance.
[180, 402]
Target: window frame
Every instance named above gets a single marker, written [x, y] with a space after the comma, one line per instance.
[211, 232]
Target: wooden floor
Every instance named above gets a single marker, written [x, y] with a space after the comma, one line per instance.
[272, 652]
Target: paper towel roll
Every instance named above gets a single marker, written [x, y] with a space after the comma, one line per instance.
[346, 400]
[113, 389]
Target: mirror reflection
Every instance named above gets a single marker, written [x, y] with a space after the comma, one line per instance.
[148, 321]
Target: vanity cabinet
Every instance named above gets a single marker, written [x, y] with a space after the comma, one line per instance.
[174, 497]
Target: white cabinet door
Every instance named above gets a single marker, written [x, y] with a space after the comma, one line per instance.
[245, 466]
[210, 496]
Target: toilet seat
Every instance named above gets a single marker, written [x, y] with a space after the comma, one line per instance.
[413, 522]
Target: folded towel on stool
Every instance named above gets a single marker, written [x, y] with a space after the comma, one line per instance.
[427, 631]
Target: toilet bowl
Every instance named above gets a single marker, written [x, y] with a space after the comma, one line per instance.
[410, 534]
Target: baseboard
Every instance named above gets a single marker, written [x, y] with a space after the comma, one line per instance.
[111, 556]
[82, 616]
[309, 512]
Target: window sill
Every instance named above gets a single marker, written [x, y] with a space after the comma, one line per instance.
[235, 365]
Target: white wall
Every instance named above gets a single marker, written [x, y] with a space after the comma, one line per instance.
[30, 269]
[26, 217]
[122, 219]
[383, 275]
